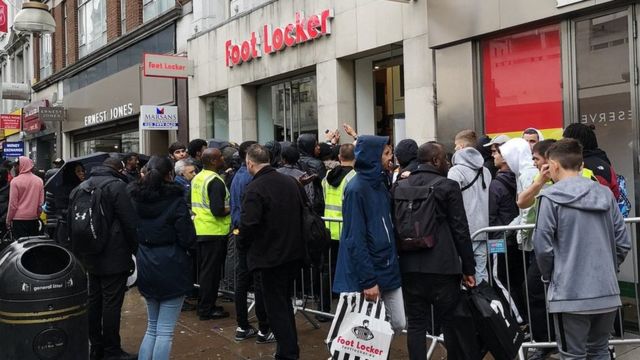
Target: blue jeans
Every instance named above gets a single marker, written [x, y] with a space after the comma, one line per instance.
[163, 316]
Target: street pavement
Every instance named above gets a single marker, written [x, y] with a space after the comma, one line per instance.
[214, 339]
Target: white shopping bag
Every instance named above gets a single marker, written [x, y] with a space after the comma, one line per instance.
[359, 329]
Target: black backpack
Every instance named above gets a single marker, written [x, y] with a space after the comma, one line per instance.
[316, 236]
[415, 215]
[89, 223]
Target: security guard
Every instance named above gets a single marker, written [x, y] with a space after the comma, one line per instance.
[333, 186]
[210, 204]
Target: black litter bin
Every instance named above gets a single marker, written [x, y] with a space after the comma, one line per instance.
[43, 302]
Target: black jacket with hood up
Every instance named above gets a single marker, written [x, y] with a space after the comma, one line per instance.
[165, 232]
[312, 166]
[116, 255]
[407, 155]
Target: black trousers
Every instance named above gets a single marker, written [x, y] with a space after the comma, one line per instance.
[106, 295]
[244, 279]
[420, 291]
[211, 255]
[537, 302]
[277, 289]
[25, 228]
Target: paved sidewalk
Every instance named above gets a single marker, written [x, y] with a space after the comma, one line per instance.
[214, 339]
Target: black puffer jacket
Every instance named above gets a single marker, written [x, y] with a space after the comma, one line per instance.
[116, 256]
[165, 232]
[312, 166]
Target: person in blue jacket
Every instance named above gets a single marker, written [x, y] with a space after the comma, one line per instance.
[367, 259]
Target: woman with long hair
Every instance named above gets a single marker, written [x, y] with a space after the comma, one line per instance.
[165, 233]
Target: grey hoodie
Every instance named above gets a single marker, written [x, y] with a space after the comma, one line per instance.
[580, 241]
[466, 164]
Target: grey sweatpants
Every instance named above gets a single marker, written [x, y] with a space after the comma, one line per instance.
[584, 336]
[394, 306]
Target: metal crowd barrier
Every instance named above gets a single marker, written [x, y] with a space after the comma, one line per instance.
[314, 285]
[497, 246]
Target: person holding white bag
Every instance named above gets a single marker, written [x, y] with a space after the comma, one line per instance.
[367, 259]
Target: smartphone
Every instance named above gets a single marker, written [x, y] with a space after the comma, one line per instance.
[327, 131]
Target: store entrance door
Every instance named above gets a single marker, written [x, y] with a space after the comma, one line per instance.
[294, 108]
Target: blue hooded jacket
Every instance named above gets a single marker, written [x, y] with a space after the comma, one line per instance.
[367, 255]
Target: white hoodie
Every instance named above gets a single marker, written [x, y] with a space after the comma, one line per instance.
[517, 154]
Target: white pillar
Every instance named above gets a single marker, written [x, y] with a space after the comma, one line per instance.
[243, 119]
[418, 89]
[336, 96]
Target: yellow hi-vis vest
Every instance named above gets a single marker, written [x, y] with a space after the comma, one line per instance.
[205, 222]
[333, 203]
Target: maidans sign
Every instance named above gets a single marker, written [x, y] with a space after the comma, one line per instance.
[270, 41]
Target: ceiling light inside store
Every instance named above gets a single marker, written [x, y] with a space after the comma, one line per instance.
[376, 67]
[34, 18]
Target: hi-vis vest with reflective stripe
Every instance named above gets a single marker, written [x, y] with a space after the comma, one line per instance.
[204, 221]
[333, 203]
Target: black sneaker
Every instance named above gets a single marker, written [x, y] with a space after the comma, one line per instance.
[267, 338]
[215, 315]
[244, 334]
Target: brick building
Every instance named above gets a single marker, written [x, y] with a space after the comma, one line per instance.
[91, 66]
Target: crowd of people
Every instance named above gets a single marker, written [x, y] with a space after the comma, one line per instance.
[184, 215]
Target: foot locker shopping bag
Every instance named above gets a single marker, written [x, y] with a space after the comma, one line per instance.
[359, 330]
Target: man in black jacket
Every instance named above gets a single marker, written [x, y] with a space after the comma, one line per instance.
[433, 276]
[271, 230]
[108, 271]
[309, 163]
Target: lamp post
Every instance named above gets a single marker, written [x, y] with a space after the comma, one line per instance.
[34, 18]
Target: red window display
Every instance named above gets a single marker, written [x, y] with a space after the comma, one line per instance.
[522, 82]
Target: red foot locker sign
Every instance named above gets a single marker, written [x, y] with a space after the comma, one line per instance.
[270, 40]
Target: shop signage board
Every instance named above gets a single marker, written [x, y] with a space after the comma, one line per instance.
[114, 113]
[10, 122]
[54, 114]
[270, 40]
[562, 3]
[4, 17]
[154, 117]
[31, 122]
[167, 66]
[13, 149]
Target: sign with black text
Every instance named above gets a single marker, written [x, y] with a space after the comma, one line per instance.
[158, 117]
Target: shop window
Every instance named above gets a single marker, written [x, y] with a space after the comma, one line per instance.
[522, 82]
[218, 117]
[120, 143]
[160, 43]
[92, 25]
[389, 94]
[154, 8]
[46, 56]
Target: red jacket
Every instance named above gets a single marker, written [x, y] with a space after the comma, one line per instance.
[26, 194]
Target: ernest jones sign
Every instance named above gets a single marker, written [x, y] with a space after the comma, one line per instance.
[270, 41]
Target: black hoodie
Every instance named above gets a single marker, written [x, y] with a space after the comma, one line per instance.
[312, 166]
[407, 155]
[335, 176]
